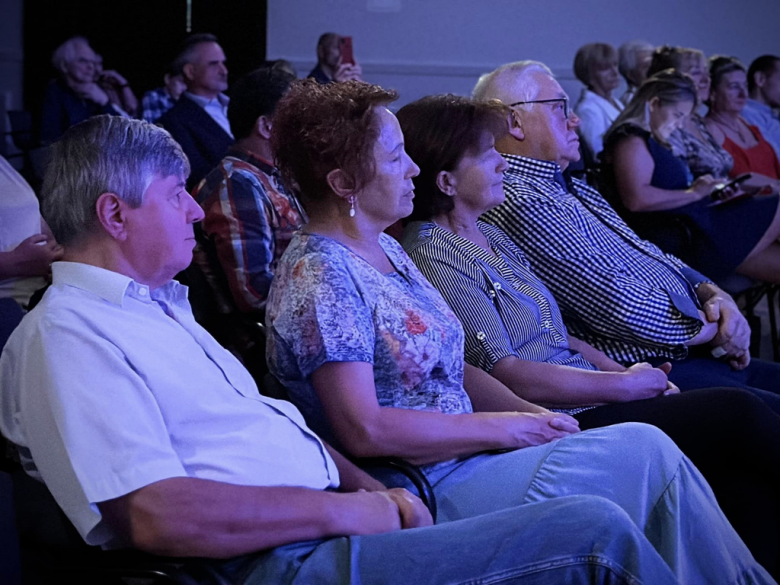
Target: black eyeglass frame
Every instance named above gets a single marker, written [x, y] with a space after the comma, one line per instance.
[565, 101]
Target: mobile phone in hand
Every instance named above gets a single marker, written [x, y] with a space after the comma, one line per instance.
[345, 50]
[719, 193]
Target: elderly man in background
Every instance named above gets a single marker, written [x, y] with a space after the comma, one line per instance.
[633, 62]
[152, 436]
[199, 119]
[761, 108]
[75, 94]
[617, 292]
[329, 67]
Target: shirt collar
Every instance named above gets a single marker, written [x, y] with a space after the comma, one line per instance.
[763, 108]
[112, 286]
[221, 98]
[522, 166]
[253, 159]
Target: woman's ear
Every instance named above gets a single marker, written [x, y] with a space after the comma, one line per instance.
[653, 104]
[447, 183]
[341, 183]
[110, 214]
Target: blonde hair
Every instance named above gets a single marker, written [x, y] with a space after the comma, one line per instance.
[591, 57]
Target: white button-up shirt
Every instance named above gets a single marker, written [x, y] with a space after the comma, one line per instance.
[107, 387]
[216, 108]
[762, 116]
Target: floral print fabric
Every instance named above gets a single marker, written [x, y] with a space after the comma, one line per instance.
[329, 305]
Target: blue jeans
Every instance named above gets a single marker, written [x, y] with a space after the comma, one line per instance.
[613, 505]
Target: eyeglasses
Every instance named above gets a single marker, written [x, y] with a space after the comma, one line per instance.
[548, 101]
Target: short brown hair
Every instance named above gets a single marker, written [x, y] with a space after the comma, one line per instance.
[439, 130]
[318, 128]
[590, 57]
[668, 57]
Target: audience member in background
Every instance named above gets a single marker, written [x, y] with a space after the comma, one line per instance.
[654, 191]
[283, 65]
[514, 330]
[744, 142]
[633, 62]
[617, 292]
[329, 67]
[27, 247]
[693, 141]
[374, 356]
[761, 108]
[250, 215]
[116, 87]
[74, 95]
[157, 102]
[199, 119]
[596, 66]
[152, 436]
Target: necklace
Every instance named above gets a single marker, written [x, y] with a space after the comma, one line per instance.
[729, 125]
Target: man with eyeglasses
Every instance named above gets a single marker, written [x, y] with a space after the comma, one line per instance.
[75, 95]
[617, 292]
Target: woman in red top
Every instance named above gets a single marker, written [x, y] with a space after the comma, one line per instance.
[752, 154]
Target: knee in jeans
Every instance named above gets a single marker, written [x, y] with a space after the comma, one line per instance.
[606, 522]
[647, 439]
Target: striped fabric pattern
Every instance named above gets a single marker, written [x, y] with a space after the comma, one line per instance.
[616, 291]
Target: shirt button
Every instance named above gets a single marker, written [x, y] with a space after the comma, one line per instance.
[143, 292]
[497, 285]
[481, 336]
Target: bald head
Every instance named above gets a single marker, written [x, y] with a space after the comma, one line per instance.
[513, 82]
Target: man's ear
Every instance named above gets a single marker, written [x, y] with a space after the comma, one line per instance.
[263, 127]
[189, 71]
[516, 125]
[759, 78]
[447, 183]
[341, 183]
[110, 211]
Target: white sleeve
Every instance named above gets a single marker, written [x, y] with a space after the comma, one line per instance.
[92, 426]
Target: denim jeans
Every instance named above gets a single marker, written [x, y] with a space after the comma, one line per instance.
[613, 505]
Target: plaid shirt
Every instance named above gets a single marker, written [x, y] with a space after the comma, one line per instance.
[616, 291]
[155, 103]
[250, 217]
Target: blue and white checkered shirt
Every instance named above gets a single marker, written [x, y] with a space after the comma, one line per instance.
[155, 103]
[619, 293]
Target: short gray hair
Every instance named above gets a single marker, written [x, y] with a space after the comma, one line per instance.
[627, 58]
[66, 52]
[510, 82]
[104, 154]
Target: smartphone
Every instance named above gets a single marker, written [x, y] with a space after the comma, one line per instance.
[345, 50]
[717, 194]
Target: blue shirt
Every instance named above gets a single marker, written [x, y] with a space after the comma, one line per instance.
[108, 386]
[155, 103]
[762, 116]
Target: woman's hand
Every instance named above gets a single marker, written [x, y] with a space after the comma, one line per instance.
[386, 511]
[525, 429]
[33, 257]
[644, 381]
[702, 187]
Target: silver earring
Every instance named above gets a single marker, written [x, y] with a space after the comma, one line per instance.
[352, 206]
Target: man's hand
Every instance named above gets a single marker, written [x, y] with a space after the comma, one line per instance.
[386, 511]
[526, 429]
[733, 336]
[113, 78]
[644, 381]
[33, 257]
[347, 72]
[93, 92]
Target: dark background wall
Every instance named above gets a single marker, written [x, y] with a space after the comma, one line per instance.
[138, 38]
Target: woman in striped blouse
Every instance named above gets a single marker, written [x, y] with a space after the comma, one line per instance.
[514, 329]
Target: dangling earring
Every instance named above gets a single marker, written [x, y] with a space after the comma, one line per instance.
[352, 206]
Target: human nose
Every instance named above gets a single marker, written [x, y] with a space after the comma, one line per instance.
[573, 121]
[413, 170]
[502, 164]
[194, 211]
